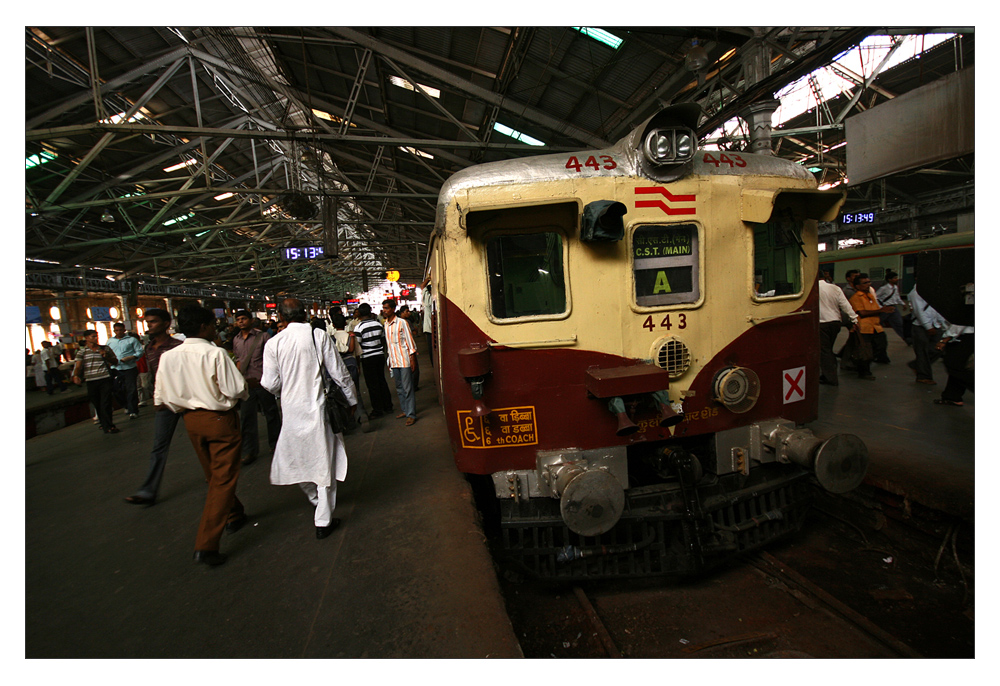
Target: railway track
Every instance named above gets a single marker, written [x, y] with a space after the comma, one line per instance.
[772, 604]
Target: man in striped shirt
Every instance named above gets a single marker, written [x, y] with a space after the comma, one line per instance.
[402, 360]
[371, 338]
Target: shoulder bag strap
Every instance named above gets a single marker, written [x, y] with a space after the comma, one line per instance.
[319, 358]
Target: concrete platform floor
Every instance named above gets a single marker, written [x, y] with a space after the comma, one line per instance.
[407, 575]
[923, 452]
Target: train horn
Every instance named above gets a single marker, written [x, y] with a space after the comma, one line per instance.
[668, 416]
[626, 427]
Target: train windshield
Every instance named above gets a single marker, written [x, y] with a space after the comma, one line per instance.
[665, 264]
[526, 274]
[777, 248]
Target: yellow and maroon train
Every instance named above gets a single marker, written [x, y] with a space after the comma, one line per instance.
[626, 343]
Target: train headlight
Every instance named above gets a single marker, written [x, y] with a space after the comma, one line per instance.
[737, 388]
[669, 146]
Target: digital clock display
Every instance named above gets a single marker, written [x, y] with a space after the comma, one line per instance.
[308, 252]
[857, 218]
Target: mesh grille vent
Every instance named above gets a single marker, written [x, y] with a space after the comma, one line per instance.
[671, 354]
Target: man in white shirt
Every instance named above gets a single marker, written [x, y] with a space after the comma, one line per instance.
[888, 294]
[308, 452]
[833, 306]
[926, 330]
[199, 380]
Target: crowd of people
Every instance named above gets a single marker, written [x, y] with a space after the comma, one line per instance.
[218, 376]
[867, 313]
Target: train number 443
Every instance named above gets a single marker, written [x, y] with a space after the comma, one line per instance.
[607, 162]
[665, 323]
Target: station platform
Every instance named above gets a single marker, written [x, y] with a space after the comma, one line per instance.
[408, 573]
[922, 453]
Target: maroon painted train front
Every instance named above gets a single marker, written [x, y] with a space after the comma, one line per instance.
[627, 346]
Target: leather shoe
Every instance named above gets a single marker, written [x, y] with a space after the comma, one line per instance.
[235, 524]
[249, 459]
[324, 531]
[140, 500]
[212, 558]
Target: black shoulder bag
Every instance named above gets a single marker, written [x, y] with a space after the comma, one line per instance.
[338, 410]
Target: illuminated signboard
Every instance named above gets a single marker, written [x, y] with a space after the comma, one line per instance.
[308, 252]
[857, 218]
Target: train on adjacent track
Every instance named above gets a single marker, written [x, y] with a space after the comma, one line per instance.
[902, 257]
[626, 346]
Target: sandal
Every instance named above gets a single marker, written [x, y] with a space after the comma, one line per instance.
[411, 421]
[942, 401]
[400, 416]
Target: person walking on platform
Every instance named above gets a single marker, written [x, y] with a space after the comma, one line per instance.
[868, 310]
[164, 422]
[402, 360]
[309, 453]
[93, 364]
[50, 360]
[427, 302]
[370, 336]
[248, 349]
[197, 379]
[926, 331]
[125, 374]
[38, 367]
[833, 307]
[888, 294]
[405, 313]
[346, 345]
[958, 344]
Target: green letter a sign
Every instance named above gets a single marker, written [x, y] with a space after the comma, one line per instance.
[661, 285]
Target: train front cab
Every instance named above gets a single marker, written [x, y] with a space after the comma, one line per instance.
[637, 401]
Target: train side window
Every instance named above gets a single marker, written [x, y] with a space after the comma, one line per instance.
[526, 274]
[777, 259]
[665, 264]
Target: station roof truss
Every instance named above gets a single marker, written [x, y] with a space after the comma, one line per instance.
[194, 155]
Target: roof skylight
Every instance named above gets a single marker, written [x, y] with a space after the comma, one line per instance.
[516, 135]
[600, 35]
[829, 81]
[403, 83]
[40, 158]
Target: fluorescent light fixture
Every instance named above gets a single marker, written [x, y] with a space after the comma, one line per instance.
[185, 163]
[41, 158]
[403, 83]
[224, 196]
[198, 235]
[414, 151]
[517, 135]
[178, 219]
[600, 35]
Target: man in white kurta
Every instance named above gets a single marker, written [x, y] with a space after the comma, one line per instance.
[308, 453]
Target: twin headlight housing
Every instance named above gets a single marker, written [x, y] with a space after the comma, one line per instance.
[674, 145]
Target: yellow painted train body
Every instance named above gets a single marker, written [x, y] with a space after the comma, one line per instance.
[605, 323]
